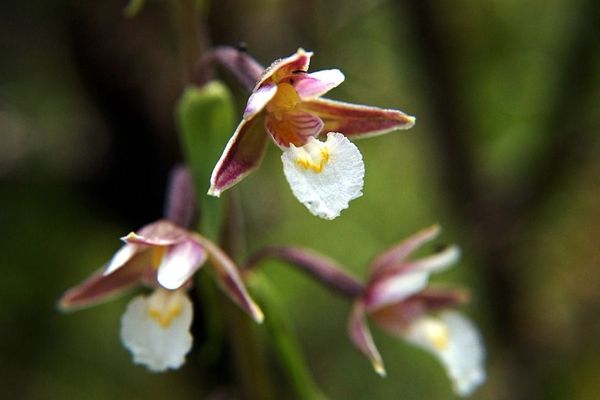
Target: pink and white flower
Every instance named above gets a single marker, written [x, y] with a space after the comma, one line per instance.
[165, 257]
[398, 300]
[286, 105]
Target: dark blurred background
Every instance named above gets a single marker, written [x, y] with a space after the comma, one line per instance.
[504, 156]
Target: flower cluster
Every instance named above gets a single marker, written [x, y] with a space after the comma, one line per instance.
[286, 105]
[164, 257]
[325, 175]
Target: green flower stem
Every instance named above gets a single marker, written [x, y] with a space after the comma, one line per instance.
[252, 367]
[282, 338]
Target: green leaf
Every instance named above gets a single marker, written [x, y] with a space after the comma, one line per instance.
[205, 118]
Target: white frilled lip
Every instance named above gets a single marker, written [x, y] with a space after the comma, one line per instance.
[155, 338]
[456, 343]
[325, 176]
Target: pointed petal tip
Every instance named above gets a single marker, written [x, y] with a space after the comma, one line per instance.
[257, 314]
[379, 369]
[129, 237]
[213, 191]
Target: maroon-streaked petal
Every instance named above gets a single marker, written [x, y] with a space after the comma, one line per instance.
[357, 121]
[360, 335]
[295, 128]
[179, 264]
[159, 233]
[399, 252]
[230, 280]
[283, 67]
[259, 99]
[317, 83]
[241, 156]
[100, 287]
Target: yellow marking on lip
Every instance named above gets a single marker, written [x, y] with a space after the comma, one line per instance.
[165, 317]
[439, 335]
[164, 306]
[307, 161]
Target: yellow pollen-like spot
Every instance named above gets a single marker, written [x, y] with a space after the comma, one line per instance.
[157, 255]
[165, 317]
[284, 100]
[313, 156]
[164, 306]
[439, 335]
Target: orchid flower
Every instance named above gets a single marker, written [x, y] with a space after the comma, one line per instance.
[398, 300]
[286, 103]
[164, 256]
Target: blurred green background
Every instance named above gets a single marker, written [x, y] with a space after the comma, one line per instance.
[504, 156]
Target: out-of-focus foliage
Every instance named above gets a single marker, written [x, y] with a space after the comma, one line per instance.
[87, 134]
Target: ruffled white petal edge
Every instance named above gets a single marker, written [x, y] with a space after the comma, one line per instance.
[456, 342]
[155, 329]
[325, 176]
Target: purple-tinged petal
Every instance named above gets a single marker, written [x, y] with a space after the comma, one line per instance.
[437, 262]
[399, 282]
[361, 337]
[159, 233]
[121, 257]
[230, 280]
[397, 317]
[394, 289]
[180, 263]
[357, 121]
[259, 99]
[398, 253]
[241, 156]
[283, 67]
[317, 83]
[99, 287]
[294, 128]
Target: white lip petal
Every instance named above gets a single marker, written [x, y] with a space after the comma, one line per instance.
[155, 329]
[325, 176]
[456, 342]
